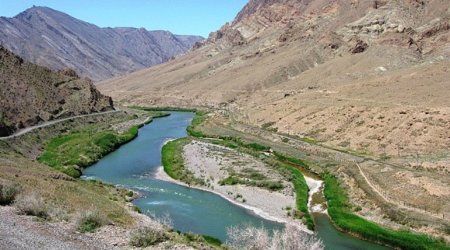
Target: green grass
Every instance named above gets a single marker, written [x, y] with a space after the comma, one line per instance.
[199, 118]
[309, 140]
[293, 160]
[301, 199]
[212, 241]
[82, 149]
[266, 184]
[340, 212]
[173, 162]
[162, 109]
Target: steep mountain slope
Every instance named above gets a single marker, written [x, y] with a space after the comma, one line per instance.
[56, 40]
[354, 74]
[367, 78]
[30, 94]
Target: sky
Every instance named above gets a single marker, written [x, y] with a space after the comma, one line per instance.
[182, 17]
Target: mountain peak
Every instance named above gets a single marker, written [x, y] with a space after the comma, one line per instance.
[36, 10]
[57, 40]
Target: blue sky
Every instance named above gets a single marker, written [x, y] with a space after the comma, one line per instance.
[184, 17]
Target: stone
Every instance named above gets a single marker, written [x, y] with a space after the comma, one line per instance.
[400, 28]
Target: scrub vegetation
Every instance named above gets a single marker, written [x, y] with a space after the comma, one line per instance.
[90, 221]
[8, 193]
[340, 211]
[291, 237]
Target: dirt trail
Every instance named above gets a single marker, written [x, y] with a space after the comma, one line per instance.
[386, 199]
[49, 123]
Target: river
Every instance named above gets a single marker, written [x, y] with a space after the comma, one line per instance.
[134, 166]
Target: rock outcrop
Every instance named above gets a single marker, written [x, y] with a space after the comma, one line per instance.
[31, 94]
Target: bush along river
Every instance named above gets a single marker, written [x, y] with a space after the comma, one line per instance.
[135, 164]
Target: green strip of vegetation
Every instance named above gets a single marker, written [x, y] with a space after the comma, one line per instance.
[292, 160]
[340, 212]
[199, 118]
[163, 109]
[301, 191]
[156, 114]
[212, 241]
[172, 160]
[70, 153]
[266, 184]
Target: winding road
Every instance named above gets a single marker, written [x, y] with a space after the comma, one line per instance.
[52, 122]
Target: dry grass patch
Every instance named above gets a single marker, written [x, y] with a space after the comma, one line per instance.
[146, 237]
[91, 220]
[33, 205]
[8, 193]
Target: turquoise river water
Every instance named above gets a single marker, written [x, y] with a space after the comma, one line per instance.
[134, 165]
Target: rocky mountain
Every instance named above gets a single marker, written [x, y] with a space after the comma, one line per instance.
[56, 40]
[319, 68]
[31, 94]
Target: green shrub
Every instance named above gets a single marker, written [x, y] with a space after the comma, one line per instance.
[90, 221]
[147, 237]
[269, 185]
[230, 181]
[257, 147]
[212, 241]
[8, 193]
[71, 171]
[137, 209]
[289, 159]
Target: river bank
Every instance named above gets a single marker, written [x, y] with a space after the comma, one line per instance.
[160, 174]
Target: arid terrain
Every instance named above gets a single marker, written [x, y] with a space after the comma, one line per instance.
[32, 94]
[362, 85]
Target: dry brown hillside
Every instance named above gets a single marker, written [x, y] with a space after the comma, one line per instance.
[372, 76]
[31, 94]
[364, 77]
